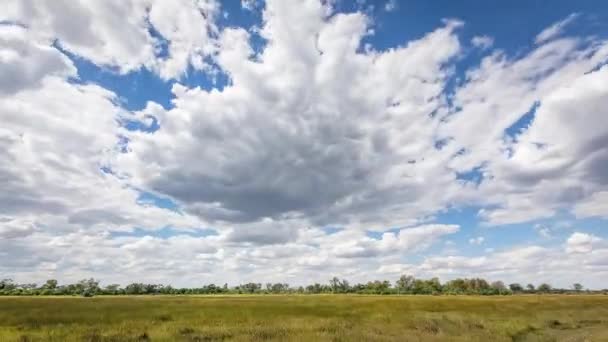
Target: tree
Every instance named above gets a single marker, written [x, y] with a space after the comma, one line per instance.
[426, 286]
[456, 286]
[515, 287]
[50, 284]
[478, 285]
[378, 286]
[151, 288]
[499, 287]
[28, 286]
[7, 284]
[277, 288]
[112, 289]
[317, 288]
[405, 283]
[434, 285]
[134, 288]
[334, 283]
[251, 287]
[344, 286]
[544, 287]
[88, 287]
[470, 286]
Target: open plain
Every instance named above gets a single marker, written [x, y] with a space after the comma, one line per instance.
[305, 318]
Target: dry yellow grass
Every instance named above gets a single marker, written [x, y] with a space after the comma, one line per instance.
[305, 318]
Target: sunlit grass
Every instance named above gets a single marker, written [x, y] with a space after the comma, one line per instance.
[305, 318]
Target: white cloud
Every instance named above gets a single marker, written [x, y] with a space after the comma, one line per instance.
[55, 138]
[562, 141]
[311, 147]
[543, 231]
[15, 228]
[24, 62]
[249, 5]
[523, 264]
[581, 243]
[390, 5]
[476, 240]
[117, 34]
[188, 26]
[482, 42]
[216, 258]
[555, 29]
[595, 205]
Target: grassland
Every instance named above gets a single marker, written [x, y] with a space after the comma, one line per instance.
[305, 318]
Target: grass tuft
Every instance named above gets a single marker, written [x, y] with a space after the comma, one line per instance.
[164, 318]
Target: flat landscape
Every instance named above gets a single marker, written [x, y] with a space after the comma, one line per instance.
[305, 318]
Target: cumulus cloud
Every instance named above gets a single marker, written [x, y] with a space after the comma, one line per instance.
[404, 241]
[15, 228]
[55, 140]
[24, 62]
[523, 264]
[116, 259]
[556, 146]
[265, 232]
[301, 157]
[289, 140]
[595, 205]
[188, 259]
[118, 34]
[581, 243]
[536, 131]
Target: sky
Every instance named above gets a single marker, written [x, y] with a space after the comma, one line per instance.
[194, 142]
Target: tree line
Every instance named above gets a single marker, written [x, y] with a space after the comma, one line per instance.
[406, 284]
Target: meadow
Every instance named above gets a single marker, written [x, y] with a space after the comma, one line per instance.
[305, 318]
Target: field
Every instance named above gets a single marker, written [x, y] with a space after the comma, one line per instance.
[305, 318]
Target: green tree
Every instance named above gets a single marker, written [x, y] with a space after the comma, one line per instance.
[577, 287]
[544, 288]
[405, 284]
[50, 284]
[499, 287]
[88, 287]
[334, 283]
[515, 287]
[134, 288]
[112, 289]
[378, 286]
[7, 284]
[251, 287]
[344, 286]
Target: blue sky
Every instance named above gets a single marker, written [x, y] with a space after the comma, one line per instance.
[236, 141]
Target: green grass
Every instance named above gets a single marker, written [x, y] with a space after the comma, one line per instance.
[305, 318]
